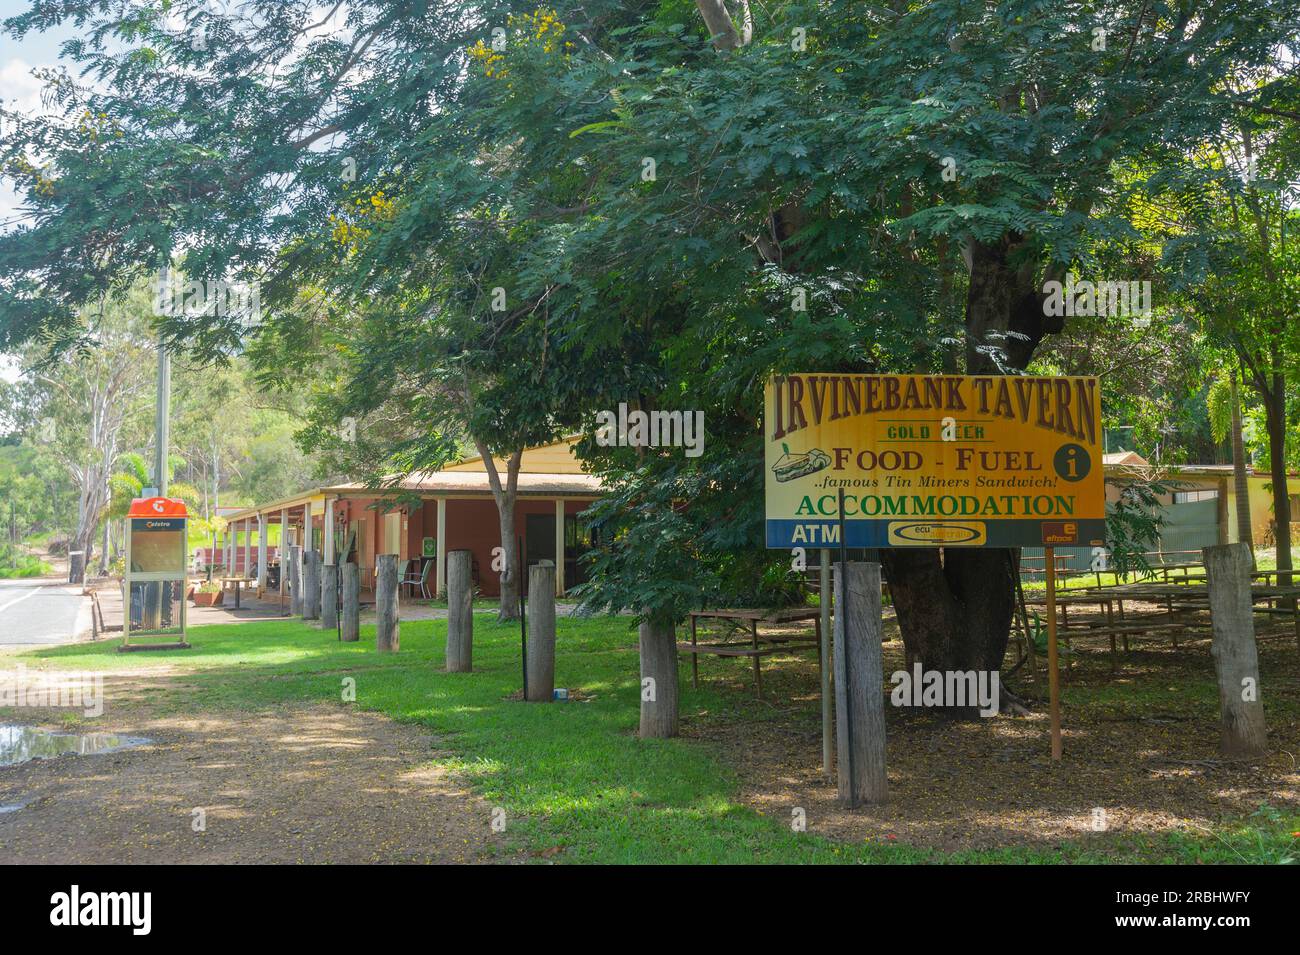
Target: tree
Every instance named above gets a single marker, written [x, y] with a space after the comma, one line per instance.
[82, 404]
[655, 186]
[1224, 401]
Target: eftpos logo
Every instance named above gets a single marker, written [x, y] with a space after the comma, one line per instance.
[103, 908]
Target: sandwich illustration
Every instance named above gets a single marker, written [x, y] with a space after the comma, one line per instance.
[790, 466]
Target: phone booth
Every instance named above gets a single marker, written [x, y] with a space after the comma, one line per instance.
[157, 573]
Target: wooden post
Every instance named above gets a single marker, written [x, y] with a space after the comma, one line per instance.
[310, 585]
[387, 625]
[859, 686]
[295, 581]
[1236, 662]
[329, 596]
[828, 719]
[440, 552]
[658, 680]
[248, 547]
[460, 611]
[350, 621]
[1053, 660]
[541, 632]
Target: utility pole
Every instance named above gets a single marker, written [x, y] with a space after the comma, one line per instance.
[162, 441]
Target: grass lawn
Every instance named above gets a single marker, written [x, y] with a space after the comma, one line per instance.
[574, 775]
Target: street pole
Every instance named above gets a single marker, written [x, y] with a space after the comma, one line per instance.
[162, 440]
[1053, 668]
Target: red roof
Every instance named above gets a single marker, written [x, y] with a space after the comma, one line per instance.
[157, 507]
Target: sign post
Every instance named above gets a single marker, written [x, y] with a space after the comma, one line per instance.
[1003, 461]
[1053, 670]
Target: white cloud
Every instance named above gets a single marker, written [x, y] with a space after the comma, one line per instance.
[22, 92]
[22, 89]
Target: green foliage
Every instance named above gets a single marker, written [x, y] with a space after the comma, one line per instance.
[1133, 524]
[776, 170]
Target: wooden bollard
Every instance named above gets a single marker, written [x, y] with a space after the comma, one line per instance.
[310, 585]
[350, 619]
[1236, 661]
[460, 612]
[295, 581]
[859, 686]
[541, 632]
[387, 626]
[658, 644]
[329, 596]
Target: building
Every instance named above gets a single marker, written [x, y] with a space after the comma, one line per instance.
[430, 513]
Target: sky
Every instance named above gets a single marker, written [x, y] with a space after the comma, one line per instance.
[19, 88]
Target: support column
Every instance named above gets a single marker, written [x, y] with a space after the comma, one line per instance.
[263, 533]
[248, 547]
[327, 540]
[559, 547]
[440, 571]
[284, 554]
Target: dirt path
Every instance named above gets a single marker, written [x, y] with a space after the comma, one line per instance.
[990, 783]
[309, 784]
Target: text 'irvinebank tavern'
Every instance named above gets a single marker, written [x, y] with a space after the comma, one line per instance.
[1065, 407]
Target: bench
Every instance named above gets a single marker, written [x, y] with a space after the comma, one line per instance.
[759, 646]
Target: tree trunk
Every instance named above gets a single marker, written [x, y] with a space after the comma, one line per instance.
[1240, 485]
[103, 548]
[1275, 406]
[658, 680]
[511, 561]
[1236, 661]
[505, 496]
[460, 612]
[955, 606]
[387, 627]
[541, 632]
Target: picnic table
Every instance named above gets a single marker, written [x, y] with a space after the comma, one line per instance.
[758, 646]
[236, 584]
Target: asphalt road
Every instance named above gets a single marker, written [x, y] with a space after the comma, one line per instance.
[41, 612]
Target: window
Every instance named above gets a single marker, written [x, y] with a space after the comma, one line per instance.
[1200, 494]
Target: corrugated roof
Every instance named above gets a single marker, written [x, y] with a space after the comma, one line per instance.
[476, 482]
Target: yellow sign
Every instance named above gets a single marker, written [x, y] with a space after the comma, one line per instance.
[933, 461]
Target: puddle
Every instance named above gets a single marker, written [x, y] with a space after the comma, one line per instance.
[18, 744]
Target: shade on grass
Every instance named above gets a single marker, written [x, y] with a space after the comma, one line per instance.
[570, 775]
